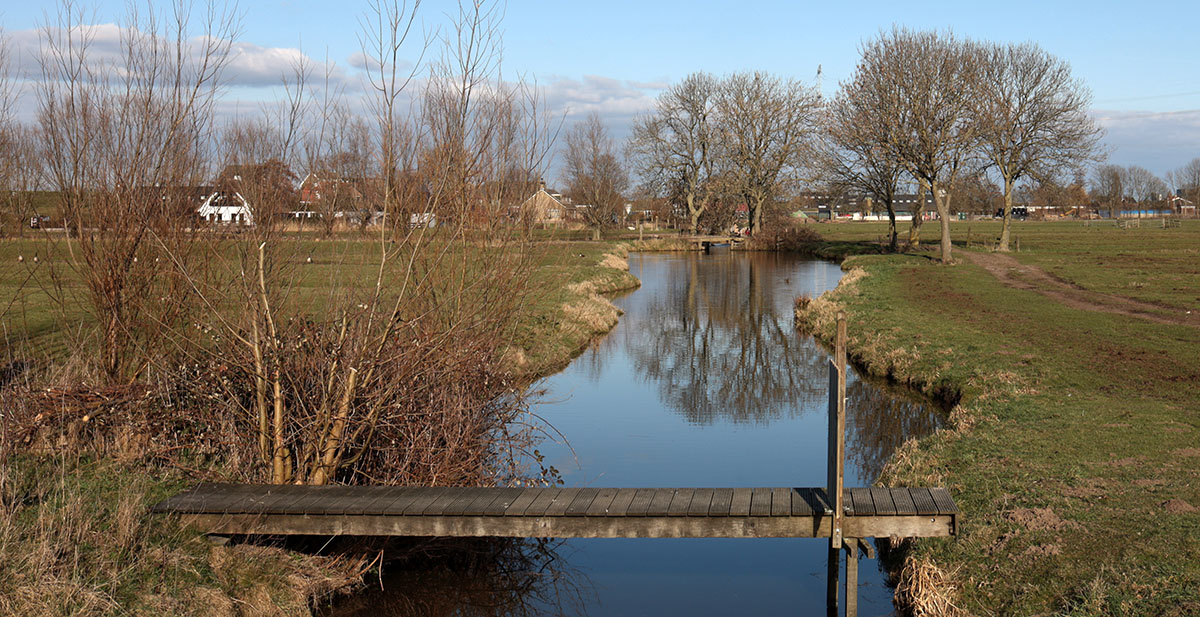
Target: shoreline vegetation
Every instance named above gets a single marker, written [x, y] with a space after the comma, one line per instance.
[1075, 425]
[74, 492]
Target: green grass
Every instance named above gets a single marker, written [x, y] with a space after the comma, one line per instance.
[1093, 416]
[45, 313]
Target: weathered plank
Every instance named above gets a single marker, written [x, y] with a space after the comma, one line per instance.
[543, 500]
[463, 497]
[422, 497]
[379, 503]
[582, 501]
[859, 502]
[805, 502]
[942, 500]
[505, 498]
[558, 506]
[680, 502]
[443, 499]
[722, 500]
[882, 497]
[904, 501]
[523, 501]
[622, 501]
[781, 502]
[660, 503]
[740, 506]
[760, 502]
[641, 502]
[701, 500]
[600, 505]
[923, 501]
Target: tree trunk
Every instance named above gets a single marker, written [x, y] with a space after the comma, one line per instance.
[595, 234]
[1004, 229]
[914, 230]
[694, 212]
[942, 203]
[893, 242]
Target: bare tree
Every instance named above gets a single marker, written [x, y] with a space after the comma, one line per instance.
[673, 149]
[595, 178]
[921, 79]
[386, 34]
[1032, 117]
[767, 125]
[857, 154]
[1108, 186]
[122, 138]
[1187, 180]
[1142, 186]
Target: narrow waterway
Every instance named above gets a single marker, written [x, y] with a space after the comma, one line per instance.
[704, 383]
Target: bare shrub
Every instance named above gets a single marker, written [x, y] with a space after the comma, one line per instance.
[785, 237]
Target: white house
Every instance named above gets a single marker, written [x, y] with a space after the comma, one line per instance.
[225, 209]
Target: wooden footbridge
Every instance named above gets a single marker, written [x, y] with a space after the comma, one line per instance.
[850, 516]
[237, 509]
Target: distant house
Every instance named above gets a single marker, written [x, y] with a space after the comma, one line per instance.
[1182, 206]
[545, 207]
[339, 191]
[225, 208]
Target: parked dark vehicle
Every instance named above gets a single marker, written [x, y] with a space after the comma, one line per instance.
[1018, 212]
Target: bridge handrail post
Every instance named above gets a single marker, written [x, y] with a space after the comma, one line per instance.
[837, 432]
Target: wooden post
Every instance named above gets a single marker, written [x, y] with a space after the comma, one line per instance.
[837, 431]
[837, 452]
[851, 577]
[831, 589]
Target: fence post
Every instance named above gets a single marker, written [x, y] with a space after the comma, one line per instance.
[837, 457]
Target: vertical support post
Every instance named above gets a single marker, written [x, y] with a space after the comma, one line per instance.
[837, 431]
[851, 577]
[832, 574]
[837, 457]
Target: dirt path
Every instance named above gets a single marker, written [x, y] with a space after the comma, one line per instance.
[1020, 276]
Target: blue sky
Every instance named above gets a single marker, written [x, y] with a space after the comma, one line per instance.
[1140, 61]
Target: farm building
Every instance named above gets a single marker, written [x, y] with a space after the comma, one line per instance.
[226, 209]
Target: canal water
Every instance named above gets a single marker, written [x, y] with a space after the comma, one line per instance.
[704, 383]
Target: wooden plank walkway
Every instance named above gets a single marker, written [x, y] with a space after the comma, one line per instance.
[561, 512]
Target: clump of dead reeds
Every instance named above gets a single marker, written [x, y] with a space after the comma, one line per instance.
[925, 590]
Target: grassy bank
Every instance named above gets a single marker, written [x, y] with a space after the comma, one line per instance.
[74, 535]
[75, 540]
[1073, 450]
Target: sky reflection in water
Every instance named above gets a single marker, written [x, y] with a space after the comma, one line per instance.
[704, 383]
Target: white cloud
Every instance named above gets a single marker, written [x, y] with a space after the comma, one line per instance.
[617, 101]
[248, 65]
[1158, 141]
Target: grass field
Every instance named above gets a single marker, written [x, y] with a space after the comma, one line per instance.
[44, 313]
[1075, 449]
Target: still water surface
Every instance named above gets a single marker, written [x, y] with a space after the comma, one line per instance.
[703, 383]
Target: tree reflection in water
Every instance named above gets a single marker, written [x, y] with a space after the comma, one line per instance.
[720, 343]
[485, 577]
[879, 420]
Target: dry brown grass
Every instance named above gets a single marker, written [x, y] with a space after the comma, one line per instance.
[924, 589]
[590, 312]
[75, 539]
